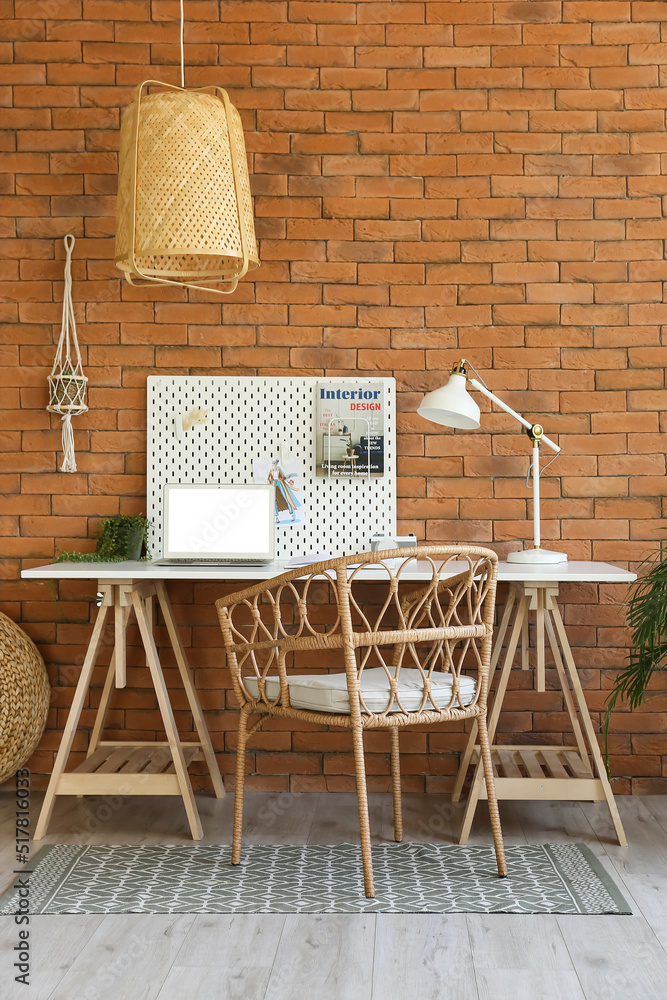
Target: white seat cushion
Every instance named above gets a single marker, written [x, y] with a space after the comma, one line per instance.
[328, 692]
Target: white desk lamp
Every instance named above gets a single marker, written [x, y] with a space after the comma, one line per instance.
[452, 406]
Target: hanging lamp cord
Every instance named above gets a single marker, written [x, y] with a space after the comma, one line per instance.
[182, 57]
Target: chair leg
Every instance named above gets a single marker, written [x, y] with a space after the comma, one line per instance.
[242, 742]
[494, 814]
[362, 797]
[396, 784]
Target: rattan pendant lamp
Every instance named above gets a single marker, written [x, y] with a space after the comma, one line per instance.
[184, 214]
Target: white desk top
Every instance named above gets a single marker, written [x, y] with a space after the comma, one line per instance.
[570, 572]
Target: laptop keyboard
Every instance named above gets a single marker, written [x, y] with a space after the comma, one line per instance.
[212, 562]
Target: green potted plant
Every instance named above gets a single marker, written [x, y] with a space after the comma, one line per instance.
[121, 537]
[647, 619]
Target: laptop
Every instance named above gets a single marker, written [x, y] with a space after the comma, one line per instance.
[222, 524]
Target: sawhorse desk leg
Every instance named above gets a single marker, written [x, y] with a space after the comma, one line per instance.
[538, 772]
[130, 768]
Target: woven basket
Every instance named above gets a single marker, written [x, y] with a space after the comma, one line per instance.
[67, 393]
[184, 211]
[24, 697]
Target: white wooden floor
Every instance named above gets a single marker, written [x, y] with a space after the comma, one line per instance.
[352, 957]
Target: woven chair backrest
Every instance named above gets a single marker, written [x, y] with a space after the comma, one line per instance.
[331, 615]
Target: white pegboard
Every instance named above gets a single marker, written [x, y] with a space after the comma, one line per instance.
[251, 418]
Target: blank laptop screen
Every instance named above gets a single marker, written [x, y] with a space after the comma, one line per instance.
[219, 521]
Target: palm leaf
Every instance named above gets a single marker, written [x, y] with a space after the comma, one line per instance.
[647, 620]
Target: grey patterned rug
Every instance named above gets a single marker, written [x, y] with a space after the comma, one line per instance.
[409, 878]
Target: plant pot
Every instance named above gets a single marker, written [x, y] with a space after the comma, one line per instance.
[134, 543]
[124, 542]
[67, 393]
[121, 538]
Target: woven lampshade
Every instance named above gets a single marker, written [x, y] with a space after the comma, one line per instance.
[184, 214]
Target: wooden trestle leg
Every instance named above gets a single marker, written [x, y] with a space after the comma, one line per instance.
[539, 772]
[123, 767]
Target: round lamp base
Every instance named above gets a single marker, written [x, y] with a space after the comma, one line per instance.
[537, 557]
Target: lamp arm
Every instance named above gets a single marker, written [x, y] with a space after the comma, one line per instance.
[508, 409]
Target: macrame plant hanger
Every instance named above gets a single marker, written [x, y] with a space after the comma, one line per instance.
[67, 383]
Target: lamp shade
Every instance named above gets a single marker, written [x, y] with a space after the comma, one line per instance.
[451, 405]
[184, 212]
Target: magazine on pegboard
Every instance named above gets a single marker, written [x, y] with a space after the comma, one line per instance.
[350, 430]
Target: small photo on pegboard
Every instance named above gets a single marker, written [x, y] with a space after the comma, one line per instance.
[287, 479]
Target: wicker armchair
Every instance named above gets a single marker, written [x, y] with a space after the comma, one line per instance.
[400, 657]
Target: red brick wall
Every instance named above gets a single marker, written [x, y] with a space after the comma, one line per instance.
[431, 179]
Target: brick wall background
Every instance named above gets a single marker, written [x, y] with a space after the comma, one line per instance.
[431, 179]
